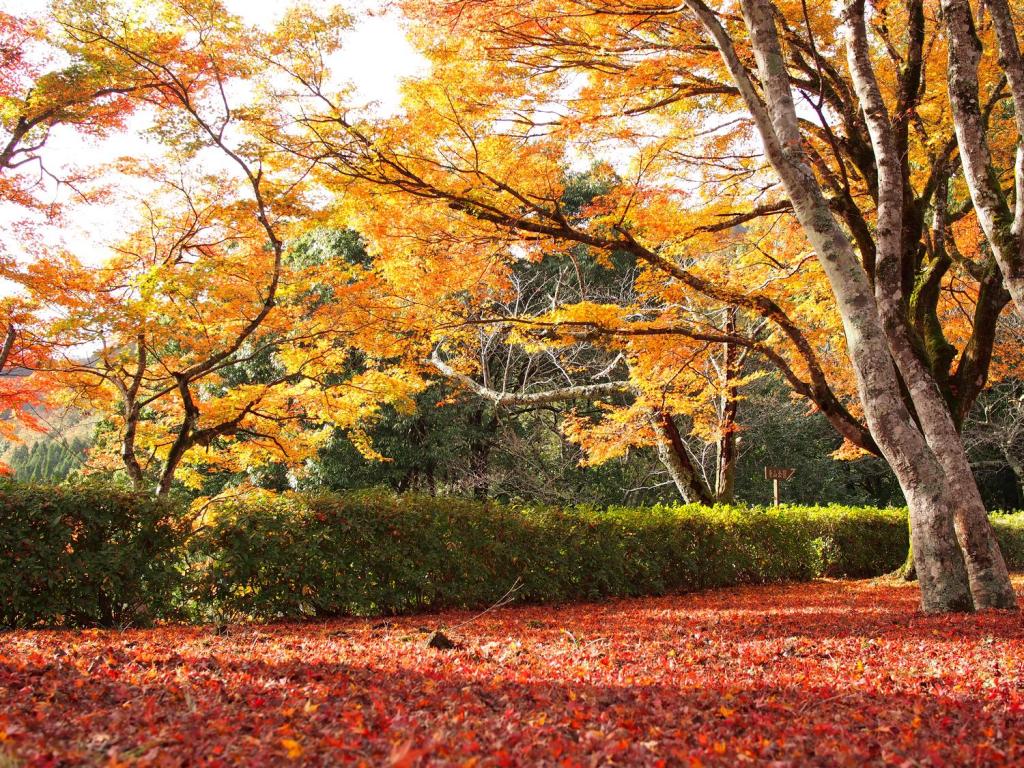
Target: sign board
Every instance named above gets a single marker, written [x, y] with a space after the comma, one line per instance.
[778, 473]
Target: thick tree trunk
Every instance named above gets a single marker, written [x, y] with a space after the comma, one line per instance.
[940, 564]
[990, 583]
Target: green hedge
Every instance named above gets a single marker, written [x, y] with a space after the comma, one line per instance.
[88, 555]
[85, 555]
[376, 553]
[1009, 530]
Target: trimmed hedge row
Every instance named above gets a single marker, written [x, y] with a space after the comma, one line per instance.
[376, 553]
[87, 555]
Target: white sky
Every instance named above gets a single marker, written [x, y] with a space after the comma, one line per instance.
[375, 57]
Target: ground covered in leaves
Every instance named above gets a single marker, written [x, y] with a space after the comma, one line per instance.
[828, 673]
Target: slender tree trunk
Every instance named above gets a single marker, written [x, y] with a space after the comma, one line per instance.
[1003, 228]
[725, 469]
[8, 345]
[166, 482]
[676, 459]
[128, 456]
[726, 447]
[132, 415]
[185, 438]
[480, 452]
[1017, 467]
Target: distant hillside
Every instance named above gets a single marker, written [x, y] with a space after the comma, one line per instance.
[69, 431]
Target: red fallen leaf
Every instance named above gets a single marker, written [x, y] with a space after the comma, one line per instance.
[837, 673]
[404, 756]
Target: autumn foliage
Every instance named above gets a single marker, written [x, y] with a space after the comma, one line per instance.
[827, 673]
[641, 210]
[635, 211]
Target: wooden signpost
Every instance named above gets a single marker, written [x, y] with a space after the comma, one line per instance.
[775, 474]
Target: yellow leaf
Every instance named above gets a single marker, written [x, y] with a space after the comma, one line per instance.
[292, 748]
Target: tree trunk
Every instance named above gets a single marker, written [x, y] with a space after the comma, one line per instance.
[725, 467]
[989, 581]
[480, 452]
[939, 561]
[1002, 227]
[676, 459]
[132, 416]
[1017, 467]
[128, 456]
[726, 447]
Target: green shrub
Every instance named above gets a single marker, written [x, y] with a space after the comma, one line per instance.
[859, 542]
[89, 555]
[85, 555]
[377, 553]
[1009, 530]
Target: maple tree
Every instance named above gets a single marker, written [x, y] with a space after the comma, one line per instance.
[202, 332]
[822, 673]
[41, 89]
[20, 393]
[700, 383]
[187, 83]
[823, 226]
[781, 188]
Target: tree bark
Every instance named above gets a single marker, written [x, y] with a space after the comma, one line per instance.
[133, 414]
[676, 459]
[726, 447]
[989, 580]
[726, 454]
[128, 456]
[940, 563]
[1017, 467]
[1003, 228]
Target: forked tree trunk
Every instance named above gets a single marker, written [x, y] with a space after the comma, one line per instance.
[990, 583]
[939, 561]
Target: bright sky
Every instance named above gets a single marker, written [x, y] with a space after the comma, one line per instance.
[375, 57]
